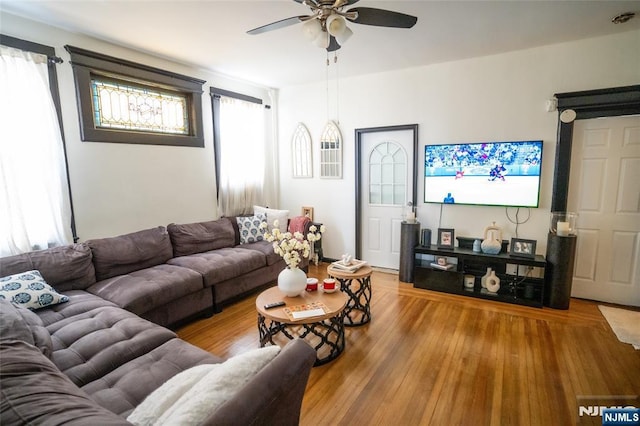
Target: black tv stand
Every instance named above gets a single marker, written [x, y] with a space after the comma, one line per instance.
[517, 287]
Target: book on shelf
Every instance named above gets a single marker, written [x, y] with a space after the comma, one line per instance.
[353, 266]
[445, 267]
[306, 310]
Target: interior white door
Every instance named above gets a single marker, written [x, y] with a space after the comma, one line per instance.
[604, 189]
[386, 187]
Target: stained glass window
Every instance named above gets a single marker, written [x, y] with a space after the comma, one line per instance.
[126, 102]
[120, 105]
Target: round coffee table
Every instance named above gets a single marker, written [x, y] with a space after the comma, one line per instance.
[325, 333]
[358, 286]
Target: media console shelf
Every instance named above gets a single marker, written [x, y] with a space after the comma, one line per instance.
[517, 285]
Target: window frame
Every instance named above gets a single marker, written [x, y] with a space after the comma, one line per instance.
[215, 93]
[87, 64]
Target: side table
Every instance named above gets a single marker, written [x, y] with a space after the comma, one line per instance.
[357, 285]
[324, 333]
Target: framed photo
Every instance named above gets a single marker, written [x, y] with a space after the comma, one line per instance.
[446, 238]
[308, 211]
[523, 248]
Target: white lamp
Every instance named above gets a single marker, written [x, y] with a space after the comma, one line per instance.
[337, 27]
[312, 29]
[322, 40]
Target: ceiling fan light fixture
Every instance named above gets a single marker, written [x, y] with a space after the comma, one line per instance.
[312, 29]
[346, 35]
[336, 25]
[322, 40]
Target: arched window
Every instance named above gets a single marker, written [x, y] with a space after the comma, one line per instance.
[387, 174]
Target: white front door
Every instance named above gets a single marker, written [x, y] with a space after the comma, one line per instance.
[386, 187]
[604, 189]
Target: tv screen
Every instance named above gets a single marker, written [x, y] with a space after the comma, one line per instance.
[488, 173]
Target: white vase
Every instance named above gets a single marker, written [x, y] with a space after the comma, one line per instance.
[292, 282]
[483, 280]
[493, 283]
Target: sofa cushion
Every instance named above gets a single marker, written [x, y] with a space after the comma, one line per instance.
[35, 392]
[65, 268]
[161, 399]
[18, 323]
[222, 264]
[183, 400]
[146, 289]
[273, 215]
[30, 290]
[264, 247]
[131, 252]
[202, 236]
[122, 389]
[250, 228]
[90, 344]
[80, 301]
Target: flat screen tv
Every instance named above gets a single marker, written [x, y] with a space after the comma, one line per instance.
[486, 173]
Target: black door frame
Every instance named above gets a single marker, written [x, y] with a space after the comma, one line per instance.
[358, 145]
[610, 102]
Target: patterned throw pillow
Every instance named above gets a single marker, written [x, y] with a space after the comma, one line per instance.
[250, 229]
[29, 290]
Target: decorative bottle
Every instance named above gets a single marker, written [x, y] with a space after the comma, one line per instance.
[493, 282]
[483, 280]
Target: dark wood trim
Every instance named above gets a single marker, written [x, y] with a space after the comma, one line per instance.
[359, 133]
[610, 102]
[215, 112]
[100, 61]
[87, 64]
[215, 91]
[50, 52]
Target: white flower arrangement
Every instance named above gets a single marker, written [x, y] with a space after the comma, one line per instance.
[292, 247]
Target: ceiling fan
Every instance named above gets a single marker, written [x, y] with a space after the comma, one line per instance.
[326, 27]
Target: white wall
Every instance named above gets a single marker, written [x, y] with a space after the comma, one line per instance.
[492, 98]
[120, 188]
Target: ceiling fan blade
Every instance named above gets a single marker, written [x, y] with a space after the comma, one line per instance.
[382, 18]
[277, 25]
[333, 44]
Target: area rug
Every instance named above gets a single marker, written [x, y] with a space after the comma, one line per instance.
[625, 324]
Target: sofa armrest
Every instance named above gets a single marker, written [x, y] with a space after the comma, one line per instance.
[274, 395]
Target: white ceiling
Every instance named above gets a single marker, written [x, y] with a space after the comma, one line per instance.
[212, 34]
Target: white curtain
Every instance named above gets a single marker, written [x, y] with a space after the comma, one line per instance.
[34, 196]
[242, 146]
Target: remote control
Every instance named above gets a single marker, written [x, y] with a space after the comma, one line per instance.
[274, 305]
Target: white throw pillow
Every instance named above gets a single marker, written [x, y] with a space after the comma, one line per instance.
[192, 398]
[28, 289]
[282, 216]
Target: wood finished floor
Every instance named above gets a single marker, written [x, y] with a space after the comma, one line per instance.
[429, 358]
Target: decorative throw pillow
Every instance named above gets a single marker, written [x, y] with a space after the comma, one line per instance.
[29, 290]
[282, 216]
[250, 229]
[163, 398]
[193, 395]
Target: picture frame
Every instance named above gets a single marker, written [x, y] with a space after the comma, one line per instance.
[522, 248]
[446, 238]
[308, 211]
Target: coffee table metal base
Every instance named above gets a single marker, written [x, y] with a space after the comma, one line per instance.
[326, 337]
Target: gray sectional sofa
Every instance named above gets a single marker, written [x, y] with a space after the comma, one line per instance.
[95, 357]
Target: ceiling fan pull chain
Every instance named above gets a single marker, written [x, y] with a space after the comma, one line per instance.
[335, 60]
